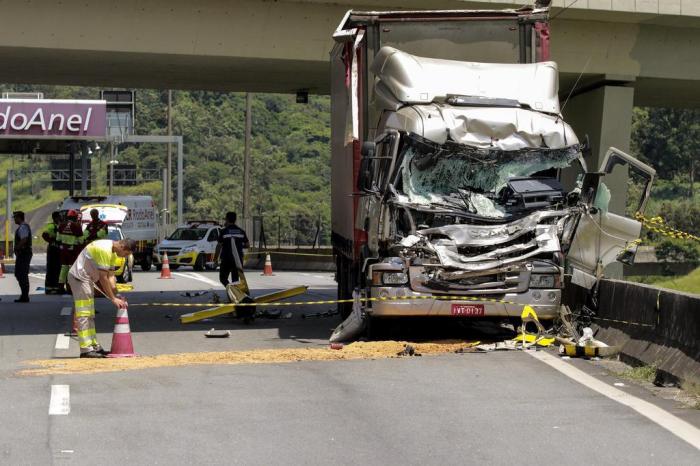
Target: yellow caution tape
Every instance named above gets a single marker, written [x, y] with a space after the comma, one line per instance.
[658, 225]
[341, 301]
[622, 321]
[283, 253]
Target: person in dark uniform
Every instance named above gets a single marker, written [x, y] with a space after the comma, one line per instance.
[23, 255]
[53, 255]
[232, 240]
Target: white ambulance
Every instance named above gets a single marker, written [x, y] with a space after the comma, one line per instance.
[140, 224]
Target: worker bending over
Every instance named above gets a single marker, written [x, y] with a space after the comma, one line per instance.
[95, 267]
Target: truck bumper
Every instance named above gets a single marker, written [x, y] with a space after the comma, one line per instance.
[546, 303]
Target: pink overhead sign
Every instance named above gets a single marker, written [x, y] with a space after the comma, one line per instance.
[61, 119]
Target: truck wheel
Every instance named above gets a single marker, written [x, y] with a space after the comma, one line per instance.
[344, 270]
[200, 263]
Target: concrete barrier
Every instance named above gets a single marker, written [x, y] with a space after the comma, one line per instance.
[292, 259]
[652, 326]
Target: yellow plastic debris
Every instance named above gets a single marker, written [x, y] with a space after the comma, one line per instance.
[530, 316]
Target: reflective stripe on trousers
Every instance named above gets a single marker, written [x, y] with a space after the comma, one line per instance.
[84, 309]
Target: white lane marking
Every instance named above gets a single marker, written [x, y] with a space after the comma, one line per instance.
[668, 421]
[196, 276]
[62, 341]
[66, 311]
[60, 400]
[319, 276]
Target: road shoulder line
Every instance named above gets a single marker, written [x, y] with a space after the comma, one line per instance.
[668, 421]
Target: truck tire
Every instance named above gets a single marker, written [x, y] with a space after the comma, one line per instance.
[345, 285]
[199, 263]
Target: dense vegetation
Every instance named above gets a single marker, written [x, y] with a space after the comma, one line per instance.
[290, 170]
[291, 159]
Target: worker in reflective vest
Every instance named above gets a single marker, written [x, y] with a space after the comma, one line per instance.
[70, 238]
[94, 268]
[96, 229]
[53, 255]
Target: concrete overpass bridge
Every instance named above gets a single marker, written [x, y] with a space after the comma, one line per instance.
[642, 52]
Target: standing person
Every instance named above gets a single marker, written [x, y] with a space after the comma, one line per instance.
[232, 240]
[70, 238]
[94, 267]
[53, 254]
[96, 229]
[23, 255]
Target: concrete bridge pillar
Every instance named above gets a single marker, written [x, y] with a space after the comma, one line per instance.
[604, 113]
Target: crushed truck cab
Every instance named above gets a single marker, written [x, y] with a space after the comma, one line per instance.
[447, 187]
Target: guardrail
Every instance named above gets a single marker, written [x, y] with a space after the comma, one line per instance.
[652, 326]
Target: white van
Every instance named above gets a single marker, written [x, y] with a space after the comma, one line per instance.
[141, 223]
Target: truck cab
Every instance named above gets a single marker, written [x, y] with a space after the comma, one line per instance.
[193, 244]
[450, 124]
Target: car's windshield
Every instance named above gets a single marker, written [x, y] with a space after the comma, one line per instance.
[188, 234]
[454, 173]
[114, 234]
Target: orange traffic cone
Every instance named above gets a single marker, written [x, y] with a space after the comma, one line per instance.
[122, 346]
[165, 268]
[267, 270]
[2, 265]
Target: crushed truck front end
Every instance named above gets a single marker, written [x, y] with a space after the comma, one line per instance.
[458, 189]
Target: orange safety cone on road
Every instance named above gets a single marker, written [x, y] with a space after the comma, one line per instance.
[122, 346]
[267, 270]
[165, 268]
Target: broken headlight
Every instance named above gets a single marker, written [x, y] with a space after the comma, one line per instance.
[389, 278]
[543, 281]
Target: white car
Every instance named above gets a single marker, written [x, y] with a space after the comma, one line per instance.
[192, 245]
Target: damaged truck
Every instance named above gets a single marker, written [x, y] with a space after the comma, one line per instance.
[457, 187]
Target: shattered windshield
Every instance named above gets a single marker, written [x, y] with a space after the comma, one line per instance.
[190, 234]
[465, 176]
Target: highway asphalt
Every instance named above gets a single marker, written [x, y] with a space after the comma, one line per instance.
[495, 408]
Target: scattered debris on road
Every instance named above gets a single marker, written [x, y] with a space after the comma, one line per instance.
[193, 294]
[354, 351]
[328, 313]
[408, 350]
[213, 333]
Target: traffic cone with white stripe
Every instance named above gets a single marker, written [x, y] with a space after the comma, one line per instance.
[165, 268]
[122, 346]
[267, 270]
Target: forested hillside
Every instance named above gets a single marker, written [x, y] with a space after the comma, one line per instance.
[290, 153]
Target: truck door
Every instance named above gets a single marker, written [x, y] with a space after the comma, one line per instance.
[601, 236]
